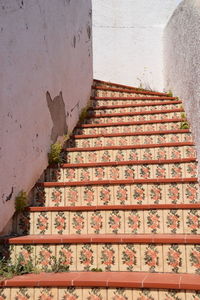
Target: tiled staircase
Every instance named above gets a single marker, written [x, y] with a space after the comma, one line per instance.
[121, 216]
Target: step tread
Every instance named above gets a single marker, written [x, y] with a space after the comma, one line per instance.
[104, 238]
[134, 98]
[107, 279]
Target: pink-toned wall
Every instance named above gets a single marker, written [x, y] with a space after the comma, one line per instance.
[46, 46]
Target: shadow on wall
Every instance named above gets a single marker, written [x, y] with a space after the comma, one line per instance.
[57, 110]
[182, 61]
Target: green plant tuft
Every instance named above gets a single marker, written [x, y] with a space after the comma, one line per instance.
[183, 116]
[170, 94]
[96, 270]
[184, 125]
[55, 153]
[21, 201]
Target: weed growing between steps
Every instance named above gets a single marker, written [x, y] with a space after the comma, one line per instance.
[55, 153]
[21, 201]
[184, 124]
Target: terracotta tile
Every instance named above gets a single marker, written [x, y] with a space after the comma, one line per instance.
[164, 281]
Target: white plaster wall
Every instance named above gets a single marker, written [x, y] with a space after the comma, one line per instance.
[182, 61]
[45, 45]
[127, 40]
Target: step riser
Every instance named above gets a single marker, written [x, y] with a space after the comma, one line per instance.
[131, 140]
[147, 117]
[110, 102]
[112, 257]
[174, 221]
[131, 154]
[117, 195]
[127, 172]
[134, 109]
[129, 128]
[115, 94]
[79, 293]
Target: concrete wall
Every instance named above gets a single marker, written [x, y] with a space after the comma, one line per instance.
[45, 80]
[127, 40]
[182, 60]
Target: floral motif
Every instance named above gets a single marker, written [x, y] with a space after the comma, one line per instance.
[176, 153]
[145, 295]
[60, 222]
[79, 159]
[45, 258]
[46, 294]
[78, 222]
[115, 129]
[133, 155]
[176, 171]
[114, 173]
[40, 196]
[129, 172]
[139, 193]
[115, 221]
[153, 221]
[88, 195]
[22, 294]
[70, 294]
[172, 295]
[96, 222]
[56, 196]
[173, 193]
[162, 126]
[161, 171]
[106, 156]
[193, 220]
[174, 258]
[42, 222]
[195, 258]
[161, 154]
[156, 193]
[108, 257]
[24, 222]
[70, 174]
[150, 127]
[72, 195]
[122, 194]
[151, 257]
[97, 143]
[105, 194]
[55, 174]
[145, 171]
[120, 294]
[174, 138]
[190, 152]
[161, 139]
[120, 155]
[135, 140]
[91, 131]
[66, 255]
[192, 169]
[134, 221]
[173, 220]
[100, 173]
[123, 141]
[24, 256]
[129, 257]
[148, 139]
[95, 294]
[188, 137]
[86, 143]
[86, 256]
[110, 142]
[147, 155]
[175, 126]
[85, 174]
[191, 192]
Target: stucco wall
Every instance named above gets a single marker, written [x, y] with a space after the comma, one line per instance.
[127, 40]
[45, 47]
[182, 60]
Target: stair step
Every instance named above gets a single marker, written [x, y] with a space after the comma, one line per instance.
[117, 193]
[113, 221]
[173, 152]
[109, 253]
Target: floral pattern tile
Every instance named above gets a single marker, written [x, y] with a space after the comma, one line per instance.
[129, 257]
[190, 170]
[96, 222]
[174, 258]
[145, 294]
[172, 295]
[122, 194]
[89, 195]
[192, 221]
[94, 294]
[45, 257]
[70, 293]
[174, 193]
[46, 294]
[21, 293]
[108, 257]
[119, 294]
[153, 221]
[42, 221]
[85, 174]
[173, 221]
[105, 195]
[161, 171]
[139, 194]
[72, 196]
[134, 222]
[78, 223]
[99, 173]
[151, 258]
[156, 194]
[70, 174]
[86, 257]
[56, 196]
[115, 222]
[60, 222]
[176, 170]
[67, 256]
[193, 258]
[191, 193]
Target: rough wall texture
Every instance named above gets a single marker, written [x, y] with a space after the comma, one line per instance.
[182, 60]
[127, 40]
[45, 80]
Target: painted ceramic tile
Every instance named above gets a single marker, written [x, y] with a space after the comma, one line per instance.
[89, 195]
[72, 196]
[108, 257]
[109, 141]
[122, 194]
[161, 153]
[114, 173]
[176, 170]
[145, 172]
[150, 127]
[161, 171]
[86, 257]
[70, 174]
[70, 293]
[139, 194]
[56, 196]
[176, 152]
[193, 258]
[56, 174]
[5, 294]
[174, 193]
[191, 193]
[148, 139]
[41, 196]
[46, 293]
[105, 156]
[172, 295]
[156, 194]
[25, 255]
[119, 155]
[97, 222]
[187, 137]
[123, 141]
[94, 294]
[153, 221]
[21, 293]
[99, 173]
[192, 221]
[45, 257]
[151, 258]
[190, 170]
[133, 154]
[129, 257]
[42, 221]
[145, 295]
[85, 174]
[135, 140]
[147, 154]
[115, 222]
[24, 223]
[189, 152]
[119, 294]
[174, 138]
[192, 295]
[129, 172]
[86, 143]
[98, 142]
[173, 221]
[161, 139]
[60, 222]
[105, 195]
[78, 157]
[78, 223]
[66, 255]
[134, 221]
[174, 258]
